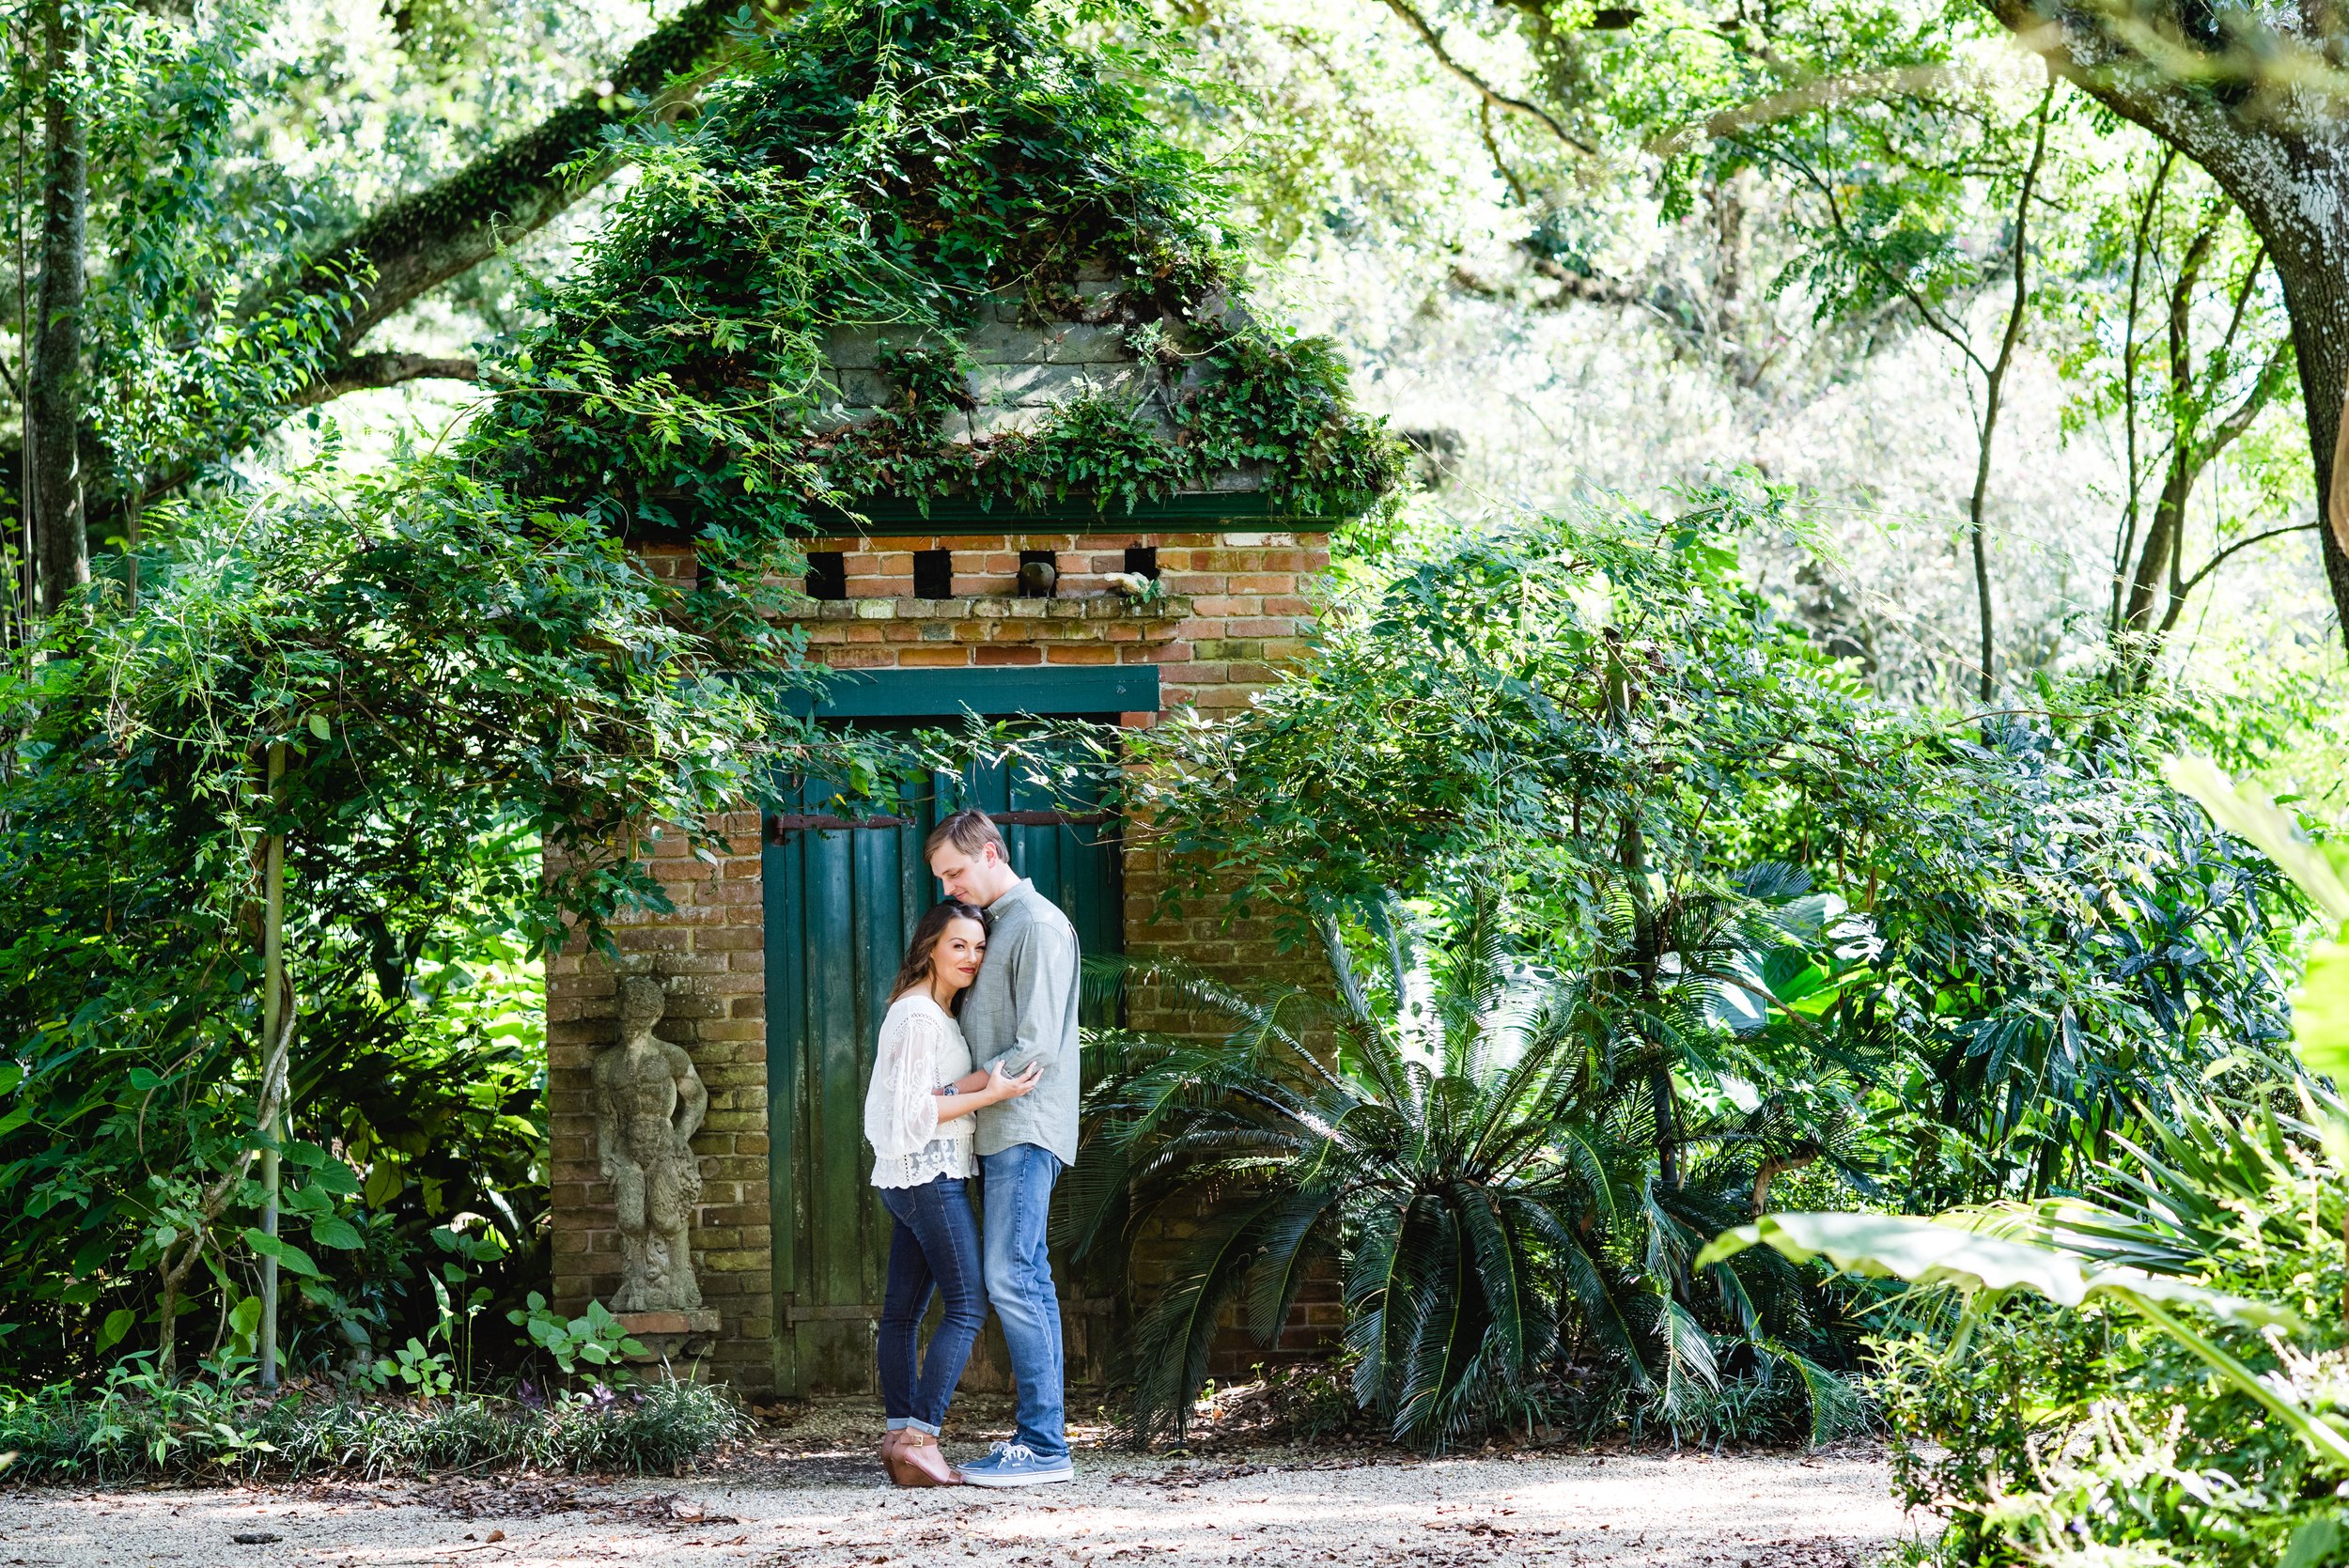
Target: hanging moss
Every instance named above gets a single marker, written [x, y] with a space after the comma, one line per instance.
[896, 181]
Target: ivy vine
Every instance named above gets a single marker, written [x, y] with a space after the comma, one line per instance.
[895, 171]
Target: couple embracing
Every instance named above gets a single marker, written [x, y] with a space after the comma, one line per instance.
[975, 1080]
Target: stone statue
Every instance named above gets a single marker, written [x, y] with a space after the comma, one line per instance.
[648, 1102]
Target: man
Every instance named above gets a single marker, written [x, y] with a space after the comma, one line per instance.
[1021, 1010]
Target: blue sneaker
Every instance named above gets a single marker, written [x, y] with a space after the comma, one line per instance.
[1017, 1464]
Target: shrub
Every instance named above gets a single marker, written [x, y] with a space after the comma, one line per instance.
[137, 1425]
[1473, 1152]
[2174, 1387]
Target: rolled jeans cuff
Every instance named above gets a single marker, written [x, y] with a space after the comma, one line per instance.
[908, 1423]
[898, 1424]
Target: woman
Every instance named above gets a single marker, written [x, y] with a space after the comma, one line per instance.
[921, 1133]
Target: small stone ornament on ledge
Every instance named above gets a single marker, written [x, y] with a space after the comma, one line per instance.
[648, 1103]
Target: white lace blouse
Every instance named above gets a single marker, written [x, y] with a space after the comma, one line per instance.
[921, 1051]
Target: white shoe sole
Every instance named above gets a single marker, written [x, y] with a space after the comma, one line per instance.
[1029, 1478]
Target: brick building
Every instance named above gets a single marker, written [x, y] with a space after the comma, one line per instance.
[1083, 481]
[788, 1242]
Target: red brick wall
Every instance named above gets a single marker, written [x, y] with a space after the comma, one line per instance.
[709, 956]
[1236, 606]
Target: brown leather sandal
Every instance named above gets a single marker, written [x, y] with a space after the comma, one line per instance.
[892, 1447]
[919, 1462]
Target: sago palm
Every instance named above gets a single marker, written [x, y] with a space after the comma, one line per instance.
[1467, 1146]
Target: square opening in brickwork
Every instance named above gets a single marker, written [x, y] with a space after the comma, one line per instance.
[933, 574]
[1142, 561]
[1039, 574]
[827, 574]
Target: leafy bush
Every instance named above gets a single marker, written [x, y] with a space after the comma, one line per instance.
[136, 1424]
[1474, 1151]
[2158, 1371]
[2162, 1372]
[1777, 926]
[454, 688]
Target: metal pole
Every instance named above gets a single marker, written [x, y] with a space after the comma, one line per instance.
[272, 1025]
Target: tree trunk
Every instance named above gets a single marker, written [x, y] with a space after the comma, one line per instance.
[53, 399]
[2318, 298]
[2153, 564]
[2282, 156]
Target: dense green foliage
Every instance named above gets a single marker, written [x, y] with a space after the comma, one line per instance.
[450, 692]
[2023, 929]
[1470, 1143]
[134, 1425]
[1738, 916]
[2148, 1372]
[906, 169]
[1628, 906]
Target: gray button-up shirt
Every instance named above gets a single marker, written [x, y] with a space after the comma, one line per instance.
[1022, 1008]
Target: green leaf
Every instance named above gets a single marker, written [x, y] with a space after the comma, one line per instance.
[337, 1232]
[287, 1254]
[1987, 1268]
[319, 727]
[2312, 1544]
[383, 1184]
[1927, 1252]
[2249, 814]
[2320, 1013]
[333, 1177]
[143, 1080]
[119, 1323]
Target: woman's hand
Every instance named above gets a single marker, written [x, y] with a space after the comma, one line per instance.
[1000, 1088]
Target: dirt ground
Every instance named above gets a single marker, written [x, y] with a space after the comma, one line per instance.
[806, 1493]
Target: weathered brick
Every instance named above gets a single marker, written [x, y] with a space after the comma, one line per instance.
[1239, 612]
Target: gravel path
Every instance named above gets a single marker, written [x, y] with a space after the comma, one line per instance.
[824, 1511]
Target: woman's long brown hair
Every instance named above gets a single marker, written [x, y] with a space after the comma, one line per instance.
[916, 970]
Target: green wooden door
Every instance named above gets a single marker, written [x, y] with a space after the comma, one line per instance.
[840, 902]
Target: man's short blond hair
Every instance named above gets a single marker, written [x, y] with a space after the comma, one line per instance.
[969, 832]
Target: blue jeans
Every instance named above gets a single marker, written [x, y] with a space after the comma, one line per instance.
[933, 1245]
[1019, 1195]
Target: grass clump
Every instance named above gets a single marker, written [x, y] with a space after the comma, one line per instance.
[136, 1426]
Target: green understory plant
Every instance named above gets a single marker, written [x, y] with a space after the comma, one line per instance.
[1466, 1148]
[597, 1338]
[134, 1424]
[2154, 1372]
[454, 691]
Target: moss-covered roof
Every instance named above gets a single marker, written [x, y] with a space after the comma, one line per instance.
[913, 251]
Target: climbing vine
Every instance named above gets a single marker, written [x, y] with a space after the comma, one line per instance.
[884, 184]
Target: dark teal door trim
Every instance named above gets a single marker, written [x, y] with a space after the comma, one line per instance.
[1078, 689]
[841, 896]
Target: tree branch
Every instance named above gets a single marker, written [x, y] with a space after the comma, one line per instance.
[365, 372]
[2238, 419]
[2216, 561]
[1825, 92]
[1491, 95]
[427, 238]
